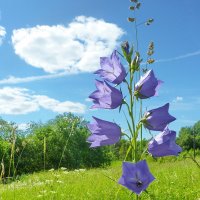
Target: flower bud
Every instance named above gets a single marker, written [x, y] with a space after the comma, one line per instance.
[125, 46]
[144, 70]
[150, 60]
[151, 45]
[149, 21]
[132, 7]
[130, 19]
[135, 64]
[138, 5]
[151, 49]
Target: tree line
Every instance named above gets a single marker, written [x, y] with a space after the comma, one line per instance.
[61, 142]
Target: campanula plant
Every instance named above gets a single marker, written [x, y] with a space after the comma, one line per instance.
[147, 86]
[111, 69]
[136, 176]
[157, 119]
[141, 84]
[103, 133]
[106, 96]
[164, 144]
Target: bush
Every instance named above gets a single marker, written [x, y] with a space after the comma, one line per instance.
[42, 146]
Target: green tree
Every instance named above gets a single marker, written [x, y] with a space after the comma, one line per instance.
[189, 137]
[60, 142]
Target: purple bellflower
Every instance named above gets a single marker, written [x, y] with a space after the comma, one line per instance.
[103, 133]
[136, 176]
[147, 86]
[157, 119]
[164, 144]
[106, 96]
[111, 69]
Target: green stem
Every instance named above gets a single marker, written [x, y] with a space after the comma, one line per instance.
[134, 140]
[141, 127]
[44, 151]
[12, 152]
[19, 158]
[65, 147]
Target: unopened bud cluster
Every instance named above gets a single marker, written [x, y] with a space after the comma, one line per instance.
[149, 21]
[150, 52]
[136, 5]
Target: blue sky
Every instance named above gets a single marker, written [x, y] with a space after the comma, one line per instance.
[49, 49]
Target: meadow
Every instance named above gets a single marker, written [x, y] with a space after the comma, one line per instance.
[175, 179]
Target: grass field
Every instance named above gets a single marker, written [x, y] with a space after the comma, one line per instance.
[176, 180]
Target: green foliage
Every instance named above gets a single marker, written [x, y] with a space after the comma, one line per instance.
[119, 150]
[60, 142]
[189, 137]
[177, 180]
[66, 146]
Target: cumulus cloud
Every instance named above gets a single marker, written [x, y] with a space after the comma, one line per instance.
[57, 106]
[73, 48]
[178, 99]
[15, 101]
[2, 34]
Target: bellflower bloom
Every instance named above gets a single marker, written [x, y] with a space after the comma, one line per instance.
[111, 69]
[164, 144]
[147, 86]
[157, 119]
[136, 176]
[106, 96]
[103, 133]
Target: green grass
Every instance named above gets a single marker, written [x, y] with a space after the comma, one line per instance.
[176, 180]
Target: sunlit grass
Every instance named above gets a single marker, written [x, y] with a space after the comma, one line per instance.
[174, 180]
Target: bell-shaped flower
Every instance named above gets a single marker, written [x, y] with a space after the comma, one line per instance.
[106, 96]
[147, 86]
[111, 69]
[103, 133]
[157, 119]
[164, 144]
[136, 176]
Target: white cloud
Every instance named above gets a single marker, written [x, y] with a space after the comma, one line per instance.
[185, 104]
[187, 55]
[15, 80]
[73, 48]
[23, 126]
[88, 100]
[2, 34]
[182, 106]
[177, 99]
[57, 106]
[179, 104]
[15, 101]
